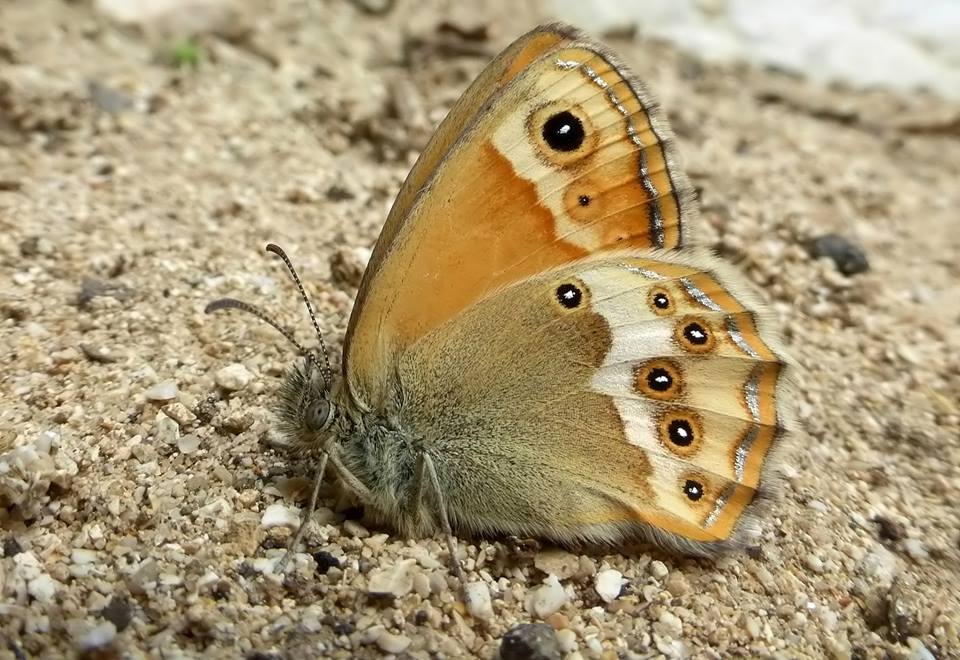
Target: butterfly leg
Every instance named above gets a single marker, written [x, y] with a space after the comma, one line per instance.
[307, 513]
[426, 472]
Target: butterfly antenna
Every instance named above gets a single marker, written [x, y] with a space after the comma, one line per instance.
[325, 371]
[233, 303]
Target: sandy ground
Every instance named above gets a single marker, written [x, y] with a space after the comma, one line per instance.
[139, 465]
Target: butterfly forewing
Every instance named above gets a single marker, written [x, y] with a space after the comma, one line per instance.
[567, 157]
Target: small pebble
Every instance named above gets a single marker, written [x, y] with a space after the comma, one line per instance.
[677, 584]
[658, 569]
[118, 612]
[396, 581]
[889, 530]
[849, 258]
[390, 643]
[162, 391]
[42, 588]
[233, 377]
[478, 601]
[879, 565]
[557, 562]
[918, 651]
[188, 444]
[915, 549]
[355, 529]
[279, 515]
[166, 430]
[567, 640]
[11, 547]
[347, 265]
[608, 585]
[99, 636]
[83, 556]
[817, 505]
[530, 641]
[814, 563]
[325, 561]
[753, 627]
[548, 597]
[669, 625]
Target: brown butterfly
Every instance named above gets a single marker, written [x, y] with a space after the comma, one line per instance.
[538, 348]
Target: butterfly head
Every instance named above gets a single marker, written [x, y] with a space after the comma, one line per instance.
[307, 411]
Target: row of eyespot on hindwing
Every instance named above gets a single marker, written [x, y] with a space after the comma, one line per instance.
[680, 430]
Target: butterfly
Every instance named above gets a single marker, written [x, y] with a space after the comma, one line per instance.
[539, 348]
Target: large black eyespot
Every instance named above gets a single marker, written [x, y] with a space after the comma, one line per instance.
[659, 379]
[681, 432]
[696, 334]
[661, 301]
[569, 296]
[563, 132]
[693, 490]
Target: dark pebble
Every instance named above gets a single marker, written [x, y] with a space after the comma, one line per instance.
[94, 288]
[889, 530]
[221, 590]
[849, 258]
[325, 561]
[343, 628]
[11, 547]
[118, 612]
[530, 641]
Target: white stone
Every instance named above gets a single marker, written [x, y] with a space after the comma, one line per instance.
[99, 636]
[166, 429]
[548, 597]
[233, 377]
[355, 529]
[42, 588]
[568, 640]
[669, 625]
[188, 443]
[814, 563]
[608, 584]
[83, 556]
[658, 569]
[396, 581]
[817, 505]
[390, 643]
[279, 515]
[918, 651]
[915, 548]
[163, 391]
[478, 601]
[880, 565]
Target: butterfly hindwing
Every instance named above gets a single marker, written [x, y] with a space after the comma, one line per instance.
[565, 157]
[651, 367]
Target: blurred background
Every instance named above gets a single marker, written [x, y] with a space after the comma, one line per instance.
[900, 44]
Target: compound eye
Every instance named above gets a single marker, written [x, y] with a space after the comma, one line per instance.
[319, 415]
